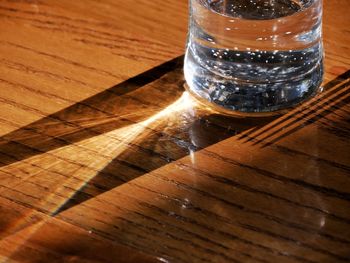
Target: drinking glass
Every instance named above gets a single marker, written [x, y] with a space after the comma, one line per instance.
[254, 56]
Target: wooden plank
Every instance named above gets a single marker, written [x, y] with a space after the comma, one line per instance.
[32, 237]
[105, 158]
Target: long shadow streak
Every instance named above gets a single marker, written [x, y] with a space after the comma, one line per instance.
[301, 116]
[317, 113]
[132, 101]
[93, 116]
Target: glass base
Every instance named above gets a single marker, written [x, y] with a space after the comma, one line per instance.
[245, 98]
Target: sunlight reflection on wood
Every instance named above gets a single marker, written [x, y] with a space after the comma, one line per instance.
[97, 152]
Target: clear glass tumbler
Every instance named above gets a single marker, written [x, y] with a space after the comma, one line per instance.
[254, 55]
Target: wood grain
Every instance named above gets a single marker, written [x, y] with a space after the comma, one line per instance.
[105, 158]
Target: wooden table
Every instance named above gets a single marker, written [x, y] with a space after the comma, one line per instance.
[105, 158]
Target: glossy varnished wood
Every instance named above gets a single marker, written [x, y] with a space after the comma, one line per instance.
[105, 158]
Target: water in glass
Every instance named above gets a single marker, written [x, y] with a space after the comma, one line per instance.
[254, 55]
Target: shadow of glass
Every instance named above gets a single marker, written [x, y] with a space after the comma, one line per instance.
[151, 124]
[178, 131]
[113, 137]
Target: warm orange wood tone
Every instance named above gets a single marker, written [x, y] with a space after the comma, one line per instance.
[105, 158]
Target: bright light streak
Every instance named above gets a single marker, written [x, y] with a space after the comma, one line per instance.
[101, 150]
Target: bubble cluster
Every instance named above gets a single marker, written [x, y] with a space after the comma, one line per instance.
[242, 70]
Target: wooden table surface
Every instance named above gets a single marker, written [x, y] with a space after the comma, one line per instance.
[105, 158]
